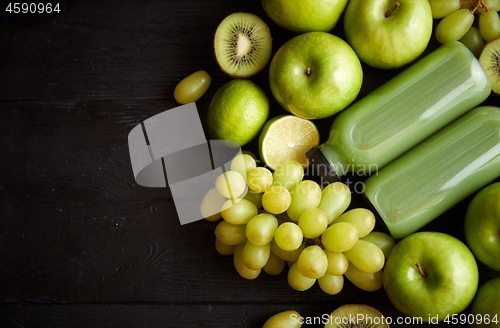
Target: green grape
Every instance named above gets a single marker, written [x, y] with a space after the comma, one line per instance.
[274, 265]
[337, 263]
[248, 152]
[211, 205]
[230, 184]
[297, 280]
[242, 164]
[276, 199]
[288, 174]
[366, 256]
[382, 240]
[493, 5]
[489, 25]
[305, 195]
[288, 236]
[254, 197]
[259, 179]
[192, 87]
[240, 266]
[454, 26]
[255, 256]
[331, 284]
[285, 255]
[286, 319]
[231, 234]
[312, 262]
[222, 248]
[361, 218]
[442, 8]
[363, 280]
[473, 40]
[335, 199]
[313, 222]
[340, 237]
[261, 228]
[238, 211]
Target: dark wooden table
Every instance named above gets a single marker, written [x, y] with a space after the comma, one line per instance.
[81, 244]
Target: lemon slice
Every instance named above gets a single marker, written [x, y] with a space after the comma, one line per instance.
[286, 138]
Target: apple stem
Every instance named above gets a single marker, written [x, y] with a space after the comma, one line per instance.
[308, 71]
[421, 271]
[392, 10]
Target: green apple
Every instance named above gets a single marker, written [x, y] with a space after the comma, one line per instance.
[430, 275]
[305, 15]
[315, 75]
[388, 33]
[482, 226]
[486, 305]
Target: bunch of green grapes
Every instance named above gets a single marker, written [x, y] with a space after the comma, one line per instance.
[283, 218]
[458, 22]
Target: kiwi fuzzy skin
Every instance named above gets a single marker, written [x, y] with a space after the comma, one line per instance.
[235, 76]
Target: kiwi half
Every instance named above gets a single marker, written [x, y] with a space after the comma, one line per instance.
[242, 45]
[490, 61]
[356, 316]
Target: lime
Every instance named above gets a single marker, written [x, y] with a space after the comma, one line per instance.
[286, 138]
[237, 112]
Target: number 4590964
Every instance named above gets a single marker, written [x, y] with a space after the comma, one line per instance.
[32, 8]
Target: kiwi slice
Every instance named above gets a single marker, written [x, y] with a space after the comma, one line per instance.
[356, 316]
[242, 45]
[490, 61]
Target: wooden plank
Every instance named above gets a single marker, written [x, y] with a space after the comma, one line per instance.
[211, 315]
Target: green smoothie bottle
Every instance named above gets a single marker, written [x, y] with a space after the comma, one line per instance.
[438, 173]
[402, 113]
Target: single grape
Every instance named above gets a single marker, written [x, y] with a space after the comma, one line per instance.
[337, 263]
[259, 179]
[305, 195]
[276, 199]
[313, 222]
[473, 40]
[286, 255]
[192, 87]
[256, 256]
[382, 240]
[335, 199]
[288, 236]
[361, 218]
[297, 280]
[366, 256]
[489, 25]
[261, 228]
[331, 284]
[211, 205]
[230, 184]
[454, 26]
[254, 197]
[312, 262]
[286, 319]
[231, 234]
[288, 174]
[274, 265]
[240, 266]
[363, 280]
[340, 237]
[222, 248]
[242, 164]
[238, 211]
[442, 8]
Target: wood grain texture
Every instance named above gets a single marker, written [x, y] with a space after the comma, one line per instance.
[81, 244]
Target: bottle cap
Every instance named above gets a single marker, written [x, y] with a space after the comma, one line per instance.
[321, 166]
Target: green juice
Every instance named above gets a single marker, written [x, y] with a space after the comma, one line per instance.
[403, 112]
[438, 173]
